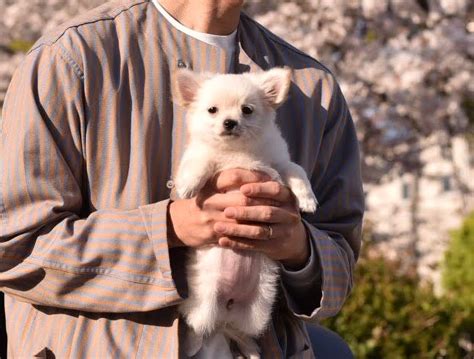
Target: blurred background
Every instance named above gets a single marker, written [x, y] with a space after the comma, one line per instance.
[406, 68]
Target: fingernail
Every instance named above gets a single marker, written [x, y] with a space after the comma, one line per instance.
[219, 227]
[230, 212]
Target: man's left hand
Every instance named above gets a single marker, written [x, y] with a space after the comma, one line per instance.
[286, 241]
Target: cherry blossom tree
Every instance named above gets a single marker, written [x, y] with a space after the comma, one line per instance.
[405, 67]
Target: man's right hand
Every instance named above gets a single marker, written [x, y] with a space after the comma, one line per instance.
[192, 220]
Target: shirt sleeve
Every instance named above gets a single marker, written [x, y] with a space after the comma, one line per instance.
[53, 251]
[303, 283]
[319, 290]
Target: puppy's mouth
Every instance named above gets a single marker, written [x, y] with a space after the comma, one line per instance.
[229, 134]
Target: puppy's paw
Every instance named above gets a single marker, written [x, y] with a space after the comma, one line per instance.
[249, 349]
[186, 192]
[307, 201]
[188, 186]
[246, 344]
[308, 204]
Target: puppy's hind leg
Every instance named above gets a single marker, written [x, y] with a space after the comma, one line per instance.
[201, 308]
[248, 346]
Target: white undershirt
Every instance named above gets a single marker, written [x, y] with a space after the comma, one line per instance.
[224, 42]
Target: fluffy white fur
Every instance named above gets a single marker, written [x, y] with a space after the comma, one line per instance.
[254, 143]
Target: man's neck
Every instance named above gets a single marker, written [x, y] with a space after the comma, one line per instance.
[218, 17]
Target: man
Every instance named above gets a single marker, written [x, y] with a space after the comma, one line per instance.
[91, 245]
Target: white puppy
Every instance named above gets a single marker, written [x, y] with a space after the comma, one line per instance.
[231, 123]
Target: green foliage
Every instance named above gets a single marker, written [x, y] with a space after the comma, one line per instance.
[390, 315]
[19, 45]
[458, 274]
[371, 36]
[468, 106]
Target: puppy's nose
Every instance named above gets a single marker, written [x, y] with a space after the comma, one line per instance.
[230, 124]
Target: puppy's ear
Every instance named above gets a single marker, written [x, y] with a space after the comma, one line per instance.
[185, 86]
[275, 84]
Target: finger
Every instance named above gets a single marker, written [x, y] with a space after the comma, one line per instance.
[236, 177]
[264, 214]
[271, 189]
[221, 201]
[259, 232]
[245, 244]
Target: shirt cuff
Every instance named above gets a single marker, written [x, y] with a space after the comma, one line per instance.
[155, 218]
[171, 261]
[305, 276]
[302, 284]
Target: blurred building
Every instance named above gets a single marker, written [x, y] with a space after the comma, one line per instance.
[412, 214]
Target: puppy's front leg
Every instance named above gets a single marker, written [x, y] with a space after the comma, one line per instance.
[193, 173]
[295, 177]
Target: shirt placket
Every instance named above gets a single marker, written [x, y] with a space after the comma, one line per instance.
[197, 56]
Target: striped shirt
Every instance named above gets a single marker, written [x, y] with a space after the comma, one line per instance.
[90, 141]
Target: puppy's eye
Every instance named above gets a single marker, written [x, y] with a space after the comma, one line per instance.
[247, 110]
[212, 109]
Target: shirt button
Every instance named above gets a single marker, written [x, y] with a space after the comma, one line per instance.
[181, 64]
[170, 184]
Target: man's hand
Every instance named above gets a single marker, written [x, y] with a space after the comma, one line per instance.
[240, 219]
[193, 220]
[246, 227]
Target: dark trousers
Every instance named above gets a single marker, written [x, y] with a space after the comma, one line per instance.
[327, 344]
[3, 331]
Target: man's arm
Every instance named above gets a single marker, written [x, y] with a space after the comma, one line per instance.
[320, 288]
[50, 252]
